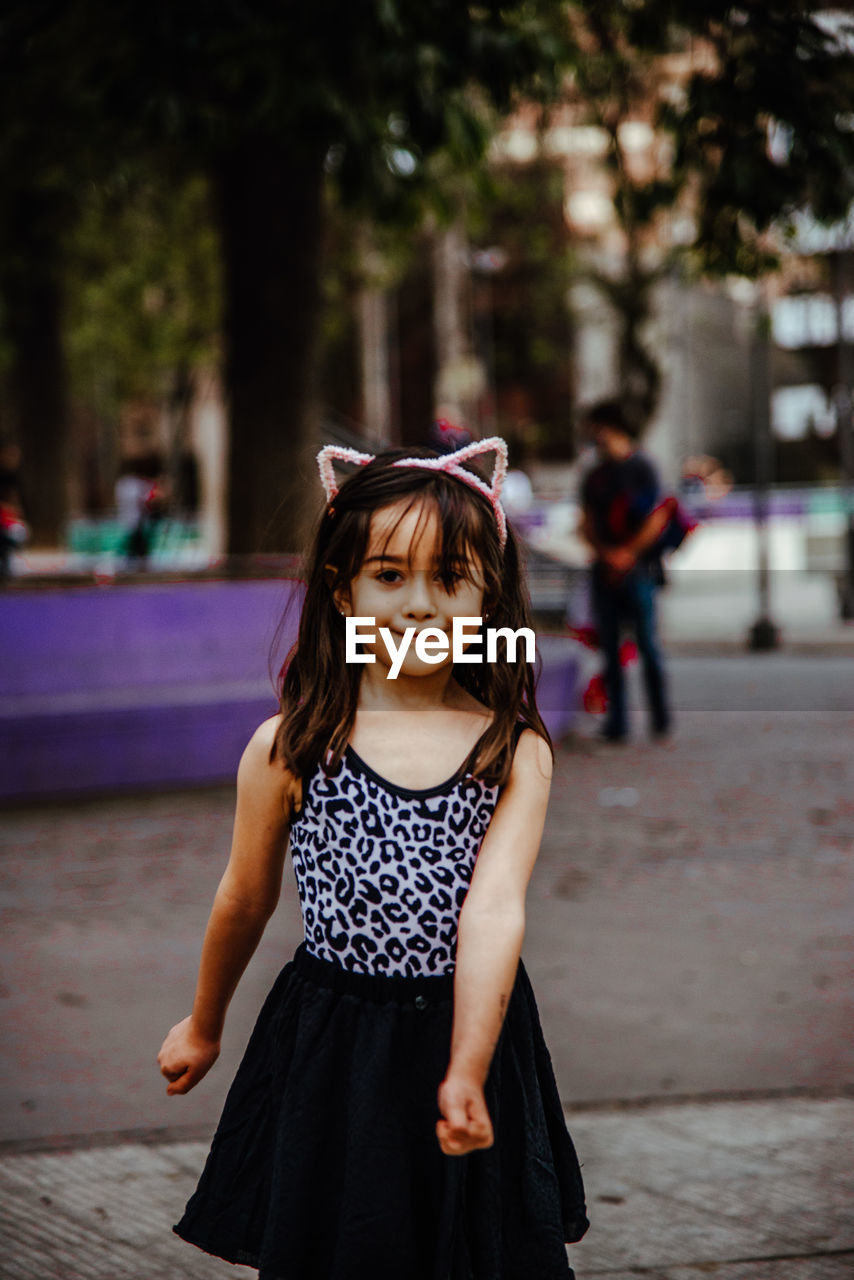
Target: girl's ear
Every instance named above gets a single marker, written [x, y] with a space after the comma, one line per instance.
[340, 594]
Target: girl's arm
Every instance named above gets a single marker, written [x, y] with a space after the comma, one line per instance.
[491, 928]
[245, 900]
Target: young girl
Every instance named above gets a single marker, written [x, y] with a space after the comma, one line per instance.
[395, 1116]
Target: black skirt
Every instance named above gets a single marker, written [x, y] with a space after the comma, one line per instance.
[326, 1165]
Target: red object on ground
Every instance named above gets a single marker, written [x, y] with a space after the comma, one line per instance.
[588, 636]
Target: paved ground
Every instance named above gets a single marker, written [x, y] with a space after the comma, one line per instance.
[735, 1191]
[690, 942]
[691, 910]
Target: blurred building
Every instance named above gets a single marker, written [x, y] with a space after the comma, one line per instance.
[812, 318]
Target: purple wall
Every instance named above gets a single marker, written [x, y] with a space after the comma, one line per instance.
[83, 639]
[137, 686]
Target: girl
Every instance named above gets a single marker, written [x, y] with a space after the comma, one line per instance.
[395, 1116]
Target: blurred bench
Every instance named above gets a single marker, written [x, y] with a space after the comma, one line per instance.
[559, 591]
[144, 685]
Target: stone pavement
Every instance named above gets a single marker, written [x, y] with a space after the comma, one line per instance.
[759, 1190]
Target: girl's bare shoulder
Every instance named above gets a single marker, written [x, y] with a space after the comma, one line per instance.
[533, 755]
[263, 771]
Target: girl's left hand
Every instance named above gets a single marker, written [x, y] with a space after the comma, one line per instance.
[186, 1057]
[465, 1124]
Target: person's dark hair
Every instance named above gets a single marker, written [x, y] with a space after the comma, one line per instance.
[319, 689]
[613, 413]
[148, 466]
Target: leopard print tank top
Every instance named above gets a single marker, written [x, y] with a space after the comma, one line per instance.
[382, 871]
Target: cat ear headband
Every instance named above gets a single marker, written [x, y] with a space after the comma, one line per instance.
[449, 464]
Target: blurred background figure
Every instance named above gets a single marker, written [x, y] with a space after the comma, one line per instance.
[704, 480]
[141, 502]
[518, 492]
[623, 520]
[14, 531]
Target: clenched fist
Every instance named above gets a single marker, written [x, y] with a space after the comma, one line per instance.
[186, 1057]
[465, 1124]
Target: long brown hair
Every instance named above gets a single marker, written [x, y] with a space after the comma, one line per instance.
[320, 690]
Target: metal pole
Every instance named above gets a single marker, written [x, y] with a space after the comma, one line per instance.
[764, 635]
[845, 428]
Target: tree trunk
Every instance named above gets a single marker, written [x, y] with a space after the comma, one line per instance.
[416, 349]
[460, 380]
[270, 198]
[32, 301]
[372, 305]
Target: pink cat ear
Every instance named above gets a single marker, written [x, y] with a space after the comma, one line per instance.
[332, 453]
[492, 444]
[492, 488]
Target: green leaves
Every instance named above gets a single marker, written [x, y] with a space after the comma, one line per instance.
[762, 126]
[142, 282]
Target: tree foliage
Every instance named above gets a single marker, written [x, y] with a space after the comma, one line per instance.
[142, 285]
[376, 86]
[756, 98]
[767, 125]
[521, 317]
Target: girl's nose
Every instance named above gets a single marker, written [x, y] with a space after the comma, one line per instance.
[420, 601]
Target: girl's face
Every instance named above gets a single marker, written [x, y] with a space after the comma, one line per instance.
[399, 584]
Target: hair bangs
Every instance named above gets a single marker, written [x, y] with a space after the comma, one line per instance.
[470, 543]
[467, 544]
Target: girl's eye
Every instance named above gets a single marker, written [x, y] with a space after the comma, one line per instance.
[389, 576]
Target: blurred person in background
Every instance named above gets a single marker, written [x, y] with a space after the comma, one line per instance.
[14, 531]
[624, 521]
[518, 491]
[446, 436]
[704, 481]
[140, 504]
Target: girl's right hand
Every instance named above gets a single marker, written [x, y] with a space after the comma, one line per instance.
[186, 1057]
